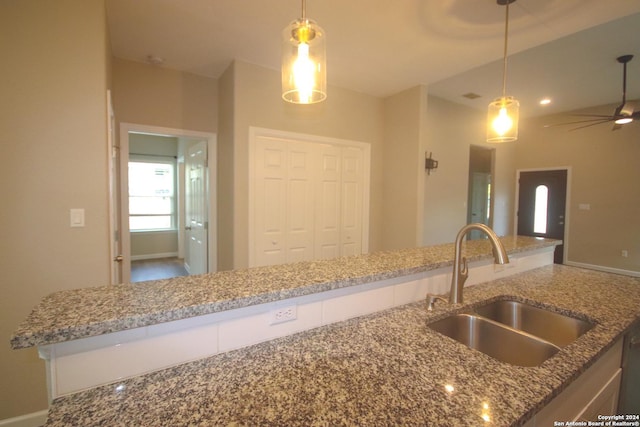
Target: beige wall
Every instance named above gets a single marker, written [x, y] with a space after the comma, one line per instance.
[403, 170]
[604, 174]
[53, 149]
[155, 96]
[451, 130]
[257, 102]
[149, 95]
[226, 135]
[154, 244]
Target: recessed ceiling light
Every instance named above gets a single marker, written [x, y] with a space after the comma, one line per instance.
[545, 101]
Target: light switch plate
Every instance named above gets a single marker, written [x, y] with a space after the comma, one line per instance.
[76, 217]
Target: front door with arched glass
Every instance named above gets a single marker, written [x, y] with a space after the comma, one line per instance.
[541, 206]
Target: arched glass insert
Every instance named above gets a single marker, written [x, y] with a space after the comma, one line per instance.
[540, 209]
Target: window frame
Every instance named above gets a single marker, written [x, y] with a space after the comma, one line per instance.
[159, 159]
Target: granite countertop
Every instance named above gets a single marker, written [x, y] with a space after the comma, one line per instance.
[81, 313]
[382, 369]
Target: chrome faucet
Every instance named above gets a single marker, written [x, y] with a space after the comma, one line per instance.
[460, 270]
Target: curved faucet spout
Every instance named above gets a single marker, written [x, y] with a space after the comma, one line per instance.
[460, 270]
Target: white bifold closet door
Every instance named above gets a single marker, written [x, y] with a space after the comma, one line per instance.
[307, 200]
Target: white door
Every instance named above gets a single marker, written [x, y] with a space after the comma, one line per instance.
[115, 243]
[284, 201]
[270, 168]
[351, 207]
[196, 253]
[307, 198]
[328, 201]
[300, 201]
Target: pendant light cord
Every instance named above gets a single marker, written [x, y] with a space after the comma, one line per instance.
[304, 10]
[506, 38]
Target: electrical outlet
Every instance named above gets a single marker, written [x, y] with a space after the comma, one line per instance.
[625, 253]
[284, 314]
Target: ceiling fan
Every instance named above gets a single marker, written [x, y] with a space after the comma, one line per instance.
[623, 114]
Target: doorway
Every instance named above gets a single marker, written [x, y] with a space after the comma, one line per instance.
[175, 223]
[480, 195]
[541, 202]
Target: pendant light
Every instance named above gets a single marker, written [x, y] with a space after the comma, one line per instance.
[502, 117]
[304, 70]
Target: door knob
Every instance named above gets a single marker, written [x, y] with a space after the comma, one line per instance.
[187, 228]
[119, 258]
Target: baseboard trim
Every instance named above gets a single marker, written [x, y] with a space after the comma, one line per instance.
[154, 256]
[34, 419]
[603, 268]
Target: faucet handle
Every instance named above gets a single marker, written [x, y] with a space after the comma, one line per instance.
[431, 300]
[464, 269]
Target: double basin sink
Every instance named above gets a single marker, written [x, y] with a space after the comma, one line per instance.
[512, 331]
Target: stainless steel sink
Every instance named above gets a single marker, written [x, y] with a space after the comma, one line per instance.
[496, 340]
[556, 328]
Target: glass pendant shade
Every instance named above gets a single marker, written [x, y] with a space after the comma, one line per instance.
[502, 120]
[304, 69]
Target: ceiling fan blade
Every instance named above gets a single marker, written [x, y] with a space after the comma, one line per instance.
[592, 115]
[600, 120]
[591, 124]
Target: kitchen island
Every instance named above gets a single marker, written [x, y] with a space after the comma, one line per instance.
[385, 368]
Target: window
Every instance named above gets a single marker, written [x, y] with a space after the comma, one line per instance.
[540, 209]
[152, 194]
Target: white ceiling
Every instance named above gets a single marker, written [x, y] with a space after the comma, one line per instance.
[382, 47]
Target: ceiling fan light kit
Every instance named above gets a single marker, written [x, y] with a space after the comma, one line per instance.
[623, 114]
[503, 112]
[304, 63]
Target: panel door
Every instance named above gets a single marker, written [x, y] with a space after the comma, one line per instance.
[196, 255]
[307, 200]
[351, 206]
[115, 243]
[300, 197]
[328, 201]
[270, 202]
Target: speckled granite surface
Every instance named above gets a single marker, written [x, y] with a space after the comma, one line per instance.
[377, 370]
[86, 312]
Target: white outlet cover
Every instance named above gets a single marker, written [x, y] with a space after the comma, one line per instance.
[284, 314]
